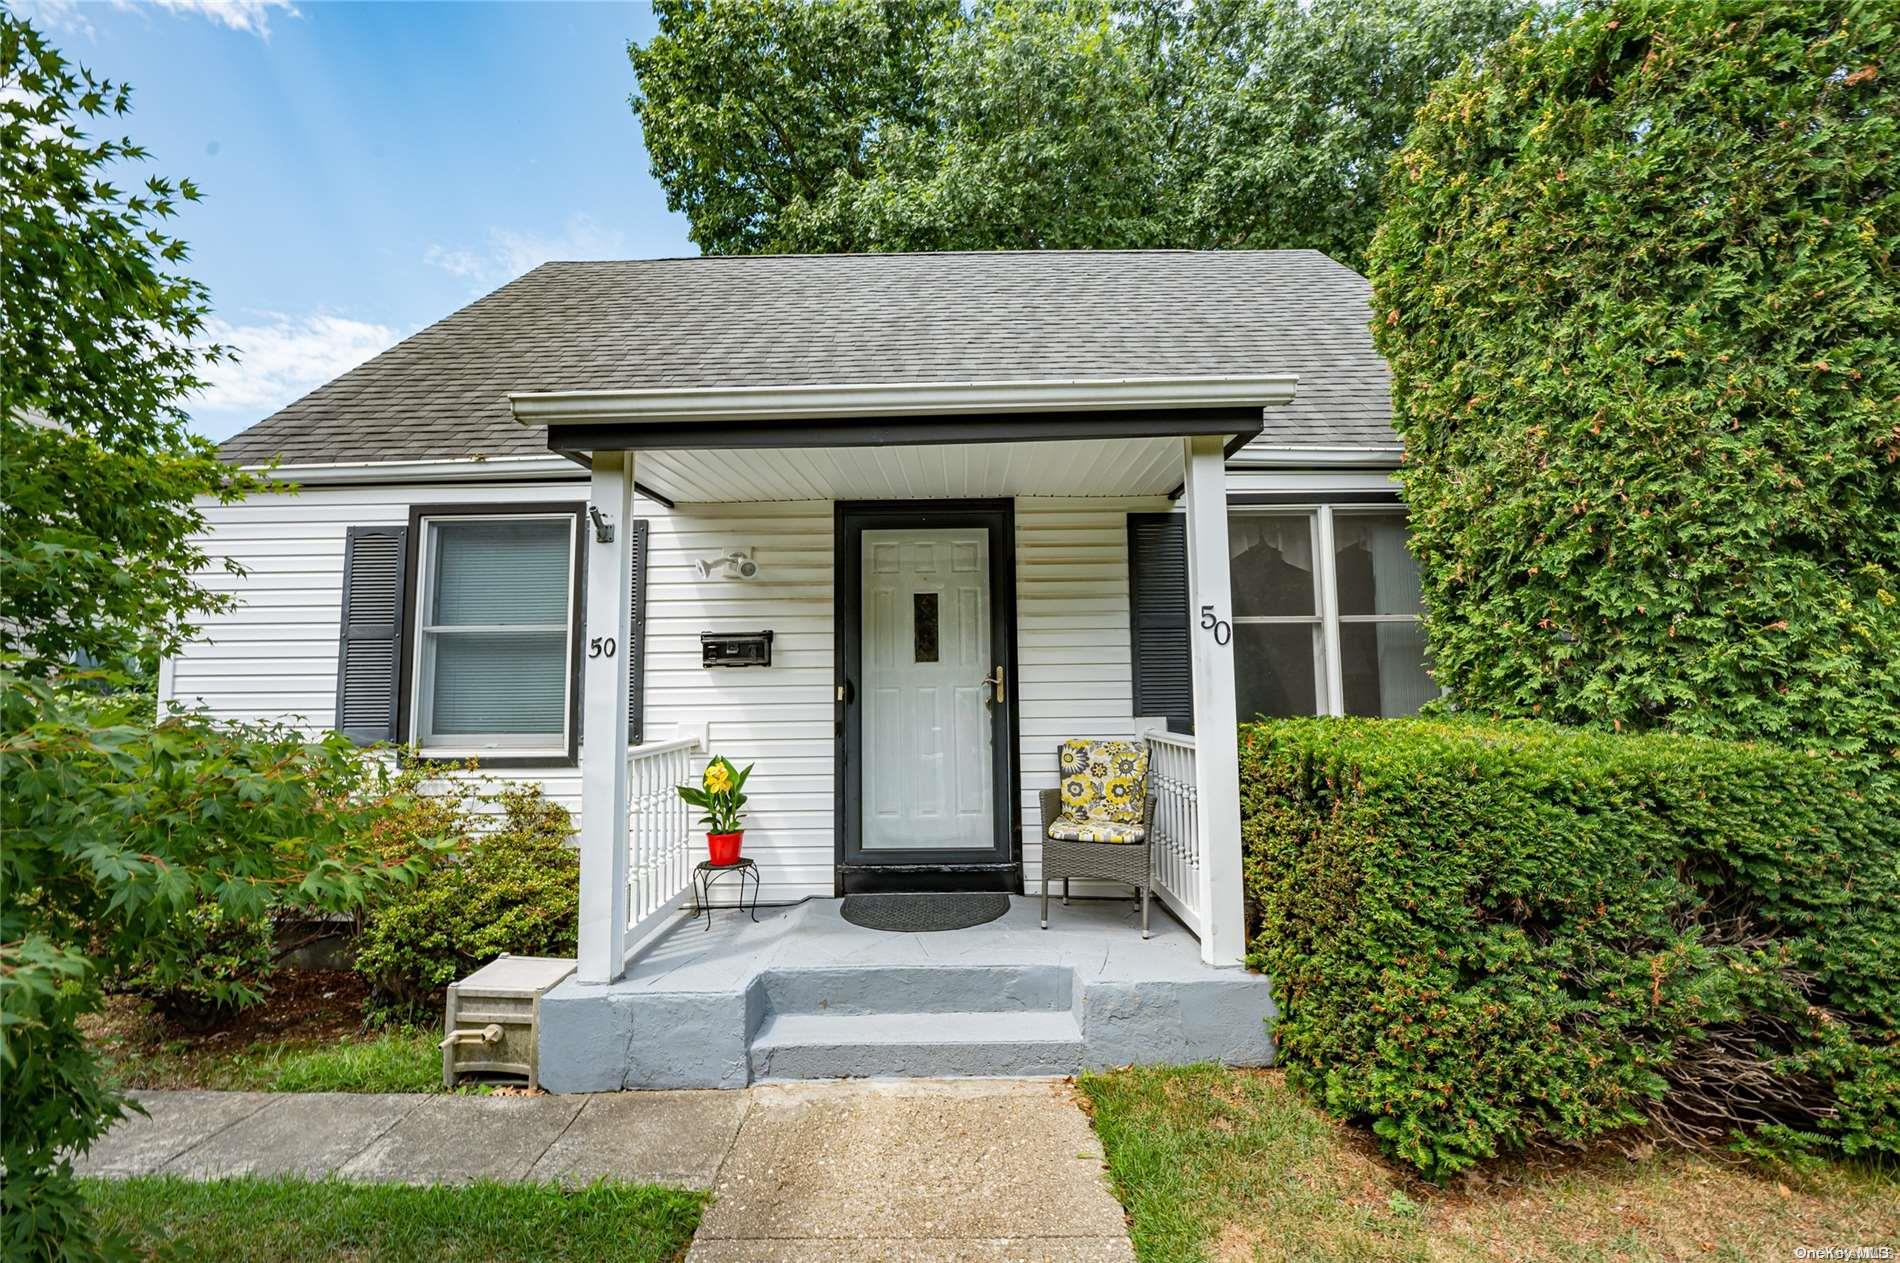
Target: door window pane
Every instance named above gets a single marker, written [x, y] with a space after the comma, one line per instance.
[1272, 564]
[1382, 669]
[1377, 573]
[1276, 669]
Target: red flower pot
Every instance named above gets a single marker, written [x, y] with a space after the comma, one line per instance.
[723, 848]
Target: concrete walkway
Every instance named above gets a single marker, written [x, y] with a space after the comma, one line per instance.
[966, 1169]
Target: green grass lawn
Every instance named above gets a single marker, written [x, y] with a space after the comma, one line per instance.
[280, 1221]
[405, 1059]
[1233, 1165]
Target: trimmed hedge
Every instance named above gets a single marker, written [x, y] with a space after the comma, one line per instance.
[1637, 286]
[1488, 934]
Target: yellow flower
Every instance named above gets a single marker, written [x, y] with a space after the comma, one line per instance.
[718, 778]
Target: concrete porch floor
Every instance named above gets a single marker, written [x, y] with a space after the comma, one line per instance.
[804, 994]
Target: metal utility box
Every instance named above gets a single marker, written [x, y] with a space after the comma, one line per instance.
[494, 1018]
[735, 649]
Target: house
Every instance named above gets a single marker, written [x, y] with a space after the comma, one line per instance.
[890, 527]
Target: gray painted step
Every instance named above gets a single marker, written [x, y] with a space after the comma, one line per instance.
[935, 1045]
[920, 989]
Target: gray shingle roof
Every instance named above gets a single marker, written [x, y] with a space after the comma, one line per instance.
[837, 319]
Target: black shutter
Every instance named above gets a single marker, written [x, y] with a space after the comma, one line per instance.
[1158, 618]
[370, 637]
[637, 637]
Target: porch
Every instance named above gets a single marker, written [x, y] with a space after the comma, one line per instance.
[804, 994]
[937, 583]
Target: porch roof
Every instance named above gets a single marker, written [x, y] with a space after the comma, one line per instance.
[907, 440]
[852, 320]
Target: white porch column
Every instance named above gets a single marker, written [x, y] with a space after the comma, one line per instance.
[603, 928]
[1216, 743]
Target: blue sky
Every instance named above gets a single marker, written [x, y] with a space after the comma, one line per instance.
[369, 168]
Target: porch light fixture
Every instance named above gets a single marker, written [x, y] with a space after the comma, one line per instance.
[733, 565]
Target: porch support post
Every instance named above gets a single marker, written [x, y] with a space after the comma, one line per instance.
[1216, 740]
[603, 927]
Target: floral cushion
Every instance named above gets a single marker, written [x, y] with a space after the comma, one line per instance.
[1103, 782]
[1065, 830]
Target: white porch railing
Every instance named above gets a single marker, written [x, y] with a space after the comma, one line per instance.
[1177, 841]
[659, 827]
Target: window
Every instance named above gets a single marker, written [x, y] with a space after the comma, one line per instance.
[1326, 614]
[1381, 646]
[494, 641]
[1279, 650]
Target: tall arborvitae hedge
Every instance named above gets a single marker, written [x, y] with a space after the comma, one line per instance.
[1637, 285]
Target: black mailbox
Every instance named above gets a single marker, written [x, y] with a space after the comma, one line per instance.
[735, 649]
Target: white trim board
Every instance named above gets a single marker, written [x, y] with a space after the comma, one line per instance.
[896, 399]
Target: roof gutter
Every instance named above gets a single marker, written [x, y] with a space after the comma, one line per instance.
[467, 469]
[727, 404]
[1258, 455]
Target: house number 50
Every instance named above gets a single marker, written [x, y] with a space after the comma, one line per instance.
[601, 648]
[1222, 629]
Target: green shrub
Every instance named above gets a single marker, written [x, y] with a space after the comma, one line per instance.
[207, 963]
[1636, 283]
[515, 889]
[1488, 934]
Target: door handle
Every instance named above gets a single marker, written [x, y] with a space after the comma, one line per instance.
[996, 682]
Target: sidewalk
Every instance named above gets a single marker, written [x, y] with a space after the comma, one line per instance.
[968, 1169]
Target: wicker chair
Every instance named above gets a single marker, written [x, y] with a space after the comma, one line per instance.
[1130, 862]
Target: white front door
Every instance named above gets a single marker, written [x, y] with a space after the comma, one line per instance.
[927, 767]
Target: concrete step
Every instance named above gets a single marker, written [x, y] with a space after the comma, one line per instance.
[915, 1045]
[920, 989]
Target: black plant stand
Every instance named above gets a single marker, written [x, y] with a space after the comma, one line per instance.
[705, 873]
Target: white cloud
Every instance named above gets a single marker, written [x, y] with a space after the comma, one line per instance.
[463, 263]
[239, 15]
[281, 358]
[511, 253]
[55, 15]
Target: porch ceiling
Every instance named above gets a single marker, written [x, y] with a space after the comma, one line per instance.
[1142, 466]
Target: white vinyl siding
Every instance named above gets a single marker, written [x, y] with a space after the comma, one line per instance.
[275, 656]
[1074, 670]
[779, 717]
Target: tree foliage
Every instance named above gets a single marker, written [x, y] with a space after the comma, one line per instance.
[115, 830]
[853, 125]
[98, 472]
[1637, 288]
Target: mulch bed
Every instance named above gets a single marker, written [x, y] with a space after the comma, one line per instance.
[305, 1006]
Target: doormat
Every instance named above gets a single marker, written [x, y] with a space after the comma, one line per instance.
[923, 913]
